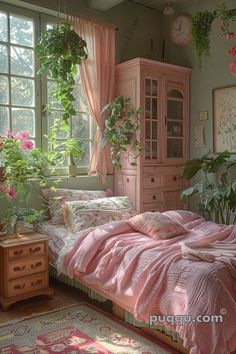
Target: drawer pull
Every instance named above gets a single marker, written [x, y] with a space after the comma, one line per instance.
[18, 286]
[153, 197]
[18, 252]
[127, 180]
[152, 179]
[19, 269]
[36, 265]
[34, 250]
[37, 282]
[174, 178]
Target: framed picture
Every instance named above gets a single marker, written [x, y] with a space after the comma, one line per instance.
[203, 115]
[224, 119]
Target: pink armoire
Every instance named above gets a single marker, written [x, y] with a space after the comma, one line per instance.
[162, 92]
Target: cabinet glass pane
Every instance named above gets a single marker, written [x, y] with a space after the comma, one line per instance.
[147, 150]
[22, 61]
[174, 148]
[21, 31]
[174, 128]
[148, 107]
[23, 119]
[22, 91]
[174, 109]
[3, 27]
[3, 59]
[4, 91]
[4, 121]
[175, 94]
[147, 87]
[154, 150]
[154, 108]
[154, 130]
[154, 87]
[147, 130]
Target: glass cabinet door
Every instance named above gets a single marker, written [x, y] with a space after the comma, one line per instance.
[151, 118]
[174, 122]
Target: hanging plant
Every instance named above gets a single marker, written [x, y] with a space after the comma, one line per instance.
[201, 30]
[59, 51]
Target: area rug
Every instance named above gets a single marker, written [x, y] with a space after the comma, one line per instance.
[72, 330]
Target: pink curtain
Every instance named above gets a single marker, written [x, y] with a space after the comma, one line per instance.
[98, 77]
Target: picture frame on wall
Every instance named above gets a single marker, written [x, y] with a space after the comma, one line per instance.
[224, 119]
[203, 115]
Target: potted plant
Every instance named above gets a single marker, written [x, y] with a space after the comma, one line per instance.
[216, 189]
[122, 131]
[74, 149]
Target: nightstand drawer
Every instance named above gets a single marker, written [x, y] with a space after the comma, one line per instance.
[152, 196]
[152, 181]
[26, 267]
[27, 250]
[27, 285]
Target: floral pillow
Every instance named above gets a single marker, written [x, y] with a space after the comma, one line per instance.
[60, 196]
[157, 225]
[80, 215]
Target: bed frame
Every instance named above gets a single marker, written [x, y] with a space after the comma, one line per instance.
[117, 310]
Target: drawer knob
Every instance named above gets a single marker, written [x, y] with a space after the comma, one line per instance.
[127, 180]
[37, 282]
[18, 252]
[19, 269]
[18, 286]
[36, 265]
[152, 179]
[34, 250]
[153, 197]
[174, 178]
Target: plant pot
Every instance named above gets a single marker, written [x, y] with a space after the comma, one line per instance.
[72, 170]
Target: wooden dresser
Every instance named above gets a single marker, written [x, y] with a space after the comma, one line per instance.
[24, 268]
[162, 92]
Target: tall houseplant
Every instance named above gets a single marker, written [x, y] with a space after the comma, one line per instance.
[122, 131]
[216, 188]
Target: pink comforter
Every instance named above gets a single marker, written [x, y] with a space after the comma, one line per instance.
[150, 277]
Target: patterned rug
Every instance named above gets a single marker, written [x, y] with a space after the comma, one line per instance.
[72, 330]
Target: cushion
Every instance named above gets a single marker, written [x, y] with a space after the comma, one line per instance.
[79, 215]
[157, 225]
[58, 197]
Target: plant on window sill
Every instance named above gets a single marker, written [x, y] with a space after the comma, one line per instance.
[73, 149]
[216, 189]
[122, 131]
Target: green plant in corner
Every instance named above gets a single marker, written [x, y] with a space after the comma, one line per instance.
[217, 187]
[122, 131]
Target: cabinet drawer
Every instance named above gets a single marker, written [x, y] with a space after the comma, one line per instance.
[152, 181]
[27, 250]
[172, 181]
[26, 285]
[26, 267]
[152, 207]
[152, 196]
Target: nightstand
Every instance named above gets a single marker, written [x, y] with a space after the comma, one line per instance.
[23, 268]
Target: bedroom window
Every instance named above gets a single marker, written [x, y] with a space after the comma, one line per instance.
[23, 95]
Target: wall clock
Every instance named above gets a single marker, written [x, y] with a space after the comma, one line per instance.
[181, 30]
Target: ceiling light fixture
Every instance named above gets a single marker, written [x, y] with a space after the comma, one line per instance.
[168, 10]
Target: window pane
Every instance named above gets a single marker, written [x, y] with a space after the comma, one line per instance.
[21, 31]
[4, 95]
[52, 101]
[80, 126]
[54, 115]
[80, 103]
[86, 157]
[22, 91]
[22, 61]
[3, 59]
[4, 121]
[3, 27]
[23, 119]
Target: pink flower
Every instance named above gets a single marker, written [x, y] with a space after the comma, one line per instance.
[11, 192]
[22, 135]
[229, 35]
[26, 145]
[232, 51]
[233, 68]
[10, 134]
[109, 192]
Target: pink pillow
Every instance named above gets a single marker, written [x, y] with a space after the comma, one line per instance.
[157, 225]
[182, 216]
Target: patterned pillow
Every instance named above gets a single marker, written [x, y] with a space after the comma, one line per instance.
[57, 198]
[157, 225]
[79, 215]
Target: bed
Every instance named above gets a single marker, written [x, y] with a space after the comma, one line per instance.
[192, 273]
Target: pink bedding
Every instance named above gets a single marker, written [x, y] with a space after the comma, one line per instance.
[149, 277]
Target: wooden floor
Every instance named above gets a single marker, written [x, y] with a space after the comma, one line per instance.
[63, 296]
